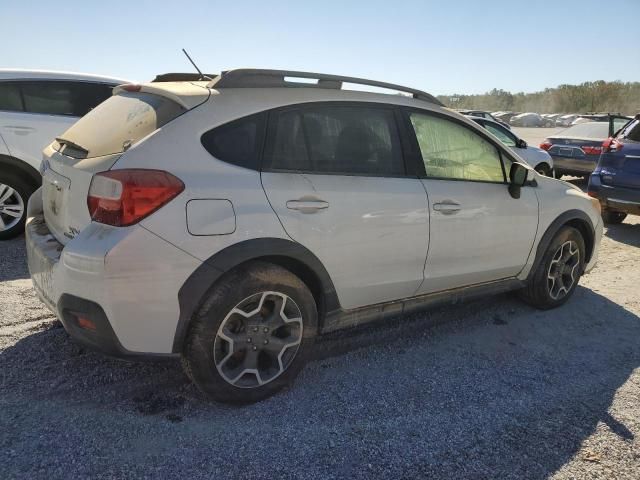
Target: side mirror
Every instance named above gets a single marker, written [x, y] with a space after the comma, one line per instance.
[517, 178]
[521, 143]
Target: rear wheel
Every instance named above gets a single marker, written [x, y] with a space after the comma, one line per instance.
[557, 275]
[14, 194]
[252, 335]
[612, 217]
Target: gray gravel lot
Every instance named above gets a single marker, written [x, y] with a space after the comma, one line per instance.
[488, 389]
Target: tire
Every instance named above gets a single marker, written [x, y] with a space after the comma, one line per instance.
[229, 334]
[557, 174]
[14, 195]
[612, 217]
[544, 170]
[544, 292]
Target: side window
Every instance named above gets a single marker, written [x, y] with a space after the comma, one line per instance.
[238, 142]
[53, 98]
[631, 131]
[505, 137]
[10, 99]
[87, 96]
[618, 123]
[452, 151]
[338, 139]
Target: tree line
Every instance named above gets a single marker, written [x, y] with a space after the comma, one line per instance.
[598, 96]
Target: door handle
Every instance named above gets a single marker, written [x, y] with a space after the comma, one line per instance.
[447, 207]
[307, 206]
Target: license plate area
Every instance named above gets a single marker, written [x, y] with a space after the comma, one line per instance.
[566, 151]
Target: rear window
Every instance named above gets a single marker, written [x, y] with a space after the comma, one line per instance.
[631, 131]
[116, 124]
[590, 130]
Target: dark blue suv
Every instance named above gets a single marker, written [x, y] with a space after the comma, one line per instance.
[616, 179]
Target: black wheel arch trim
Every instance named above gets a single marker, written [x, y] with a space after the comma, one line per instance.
[23, 169]
[574, 218]
[286, 253]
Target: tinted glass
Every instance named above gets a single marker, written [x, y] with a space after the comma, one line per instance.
[452, 151]
[87, 96]
[63, 98]
[336, 139]
[54, 98]
[10, 97]
[238, 142]
[503, 135]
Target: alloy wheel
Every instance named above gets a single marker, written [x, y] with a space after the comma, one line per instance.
[563, 269]
[11, 207]
[258, 339]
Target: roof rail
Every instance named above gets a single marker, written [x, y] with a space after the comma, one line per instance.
[260, 78]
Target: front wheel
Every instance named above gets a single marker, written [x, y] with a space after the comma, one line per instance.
[14, 194]
[557, 275]
[252, 335]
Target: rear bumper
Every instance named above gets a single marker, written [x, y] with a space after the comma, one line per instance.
[124, 281]
[620, 199]
[573, 166]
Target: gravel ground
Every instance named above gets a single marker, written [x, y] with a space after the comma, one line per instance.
[488, 389]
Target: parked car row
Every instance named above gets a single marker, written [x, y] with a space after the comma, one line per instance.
[532, 119]
[232, 221]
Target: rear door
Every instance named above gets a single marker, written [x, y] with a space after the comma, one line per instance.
[334, 174]
[42, 110]
[478, 232]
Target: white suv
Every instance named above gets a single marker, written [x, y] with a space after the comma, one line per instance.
[233, 221]
[35, 107]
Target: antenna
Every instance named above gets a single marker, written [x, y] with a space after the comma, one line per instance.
[202, 75]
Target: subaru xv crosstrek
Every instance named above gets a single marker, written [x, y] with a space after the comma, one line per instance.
[232, 221]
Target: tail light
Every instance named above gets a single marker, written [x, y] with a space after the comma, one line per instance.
[124, 197]
[546, 144]
[589, 150]
[611, 145]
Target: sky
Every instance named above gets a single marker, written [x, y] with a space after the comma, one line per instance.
[443, 47]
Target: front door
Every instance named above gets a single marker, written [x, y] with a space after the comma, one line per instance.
[478, 232]
[335, 176]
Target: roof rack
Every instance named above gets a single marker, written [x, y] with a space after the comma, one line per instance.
[260, 78]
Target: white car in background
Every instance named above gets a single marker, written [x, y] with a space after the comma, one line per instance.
[233, 221]
[540, 160]
[35, 107]
[566, 120]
